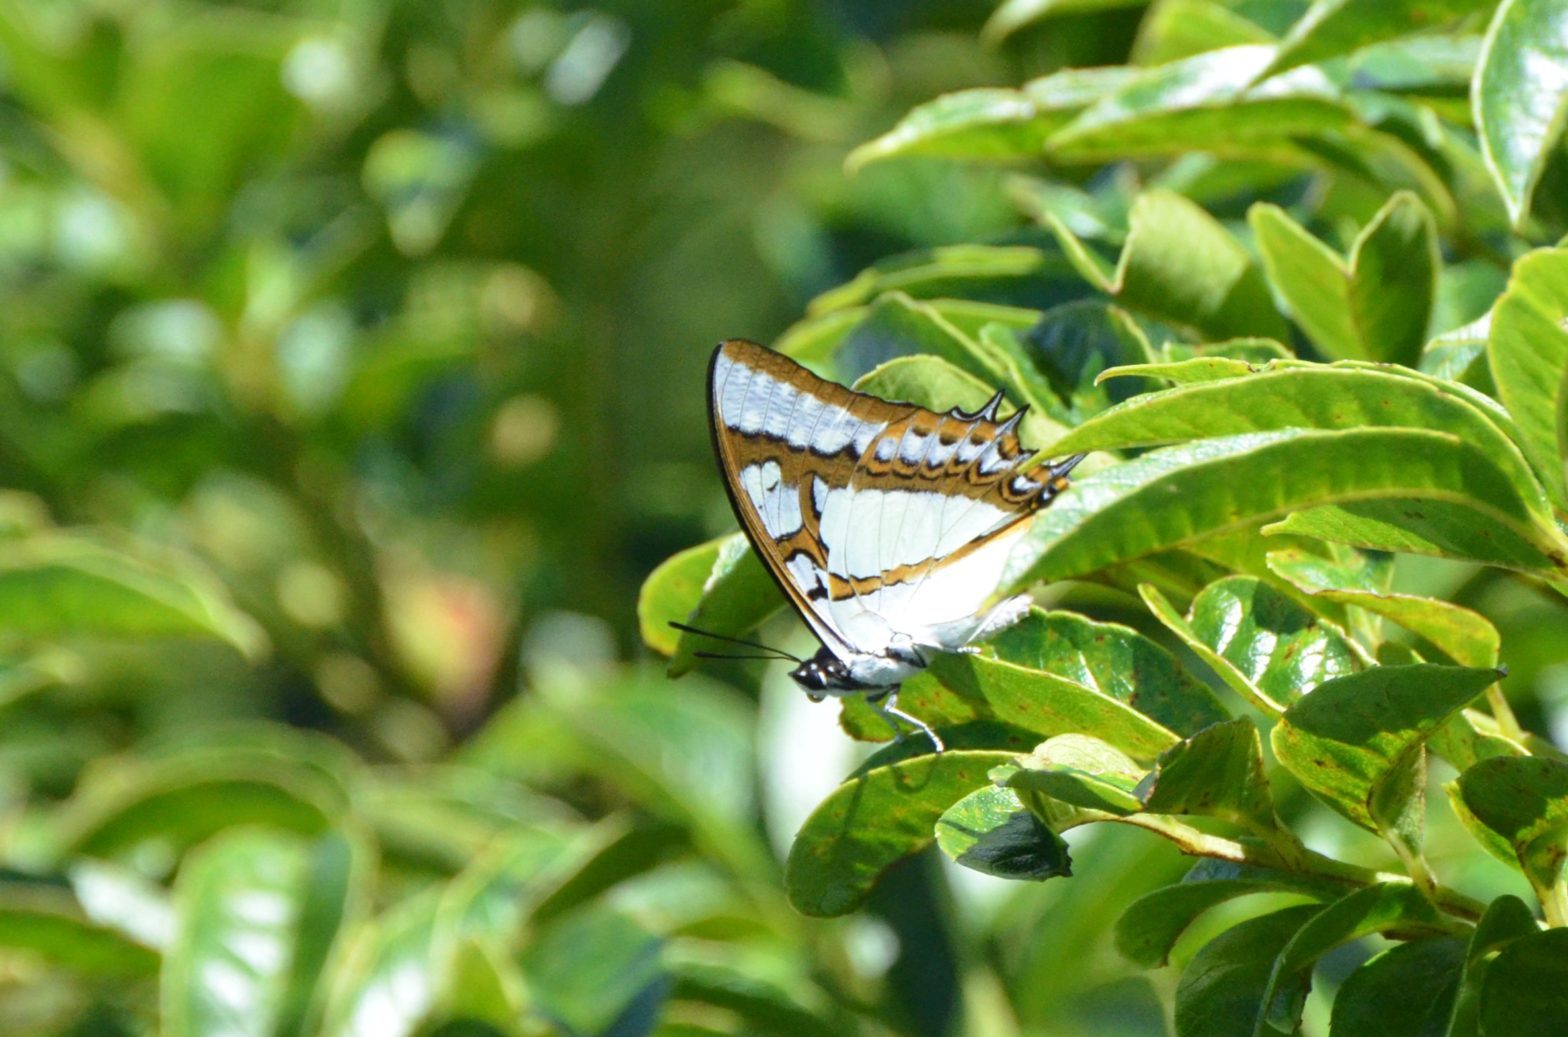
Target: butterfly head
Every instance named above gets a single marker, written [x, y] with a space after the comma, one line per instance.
[825, 674]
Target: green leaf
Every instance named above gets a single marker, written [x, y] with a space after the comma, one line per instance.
[992, 832]
[1180, 265]
[1523, 801]
[1013, 15]
[1520, 96]
[389, 981]
[720, 586]
[898, 327]
[1377, 908]
[1528, 352]
[1460, 355]
[1252, 349]
[1210, 97]
[924, 696]
[1523, 988]
[483, 985]
[1148, 930]
[591, 965]
[872, 821]
[938, 384]
[501, 888]
[1386, 160]
[815, 340]
[1278, 647]
[1226, 670]
[1408, 989]
[1185, 372]
[993, 123]
[1562, 423]
[121, 898]
[1466, 637]
[686, 757]
[969, 271]
[764, 986]
[59, 585]
[1176, 29]
[1377, 305]
[1448, 529]
[46, 925]
[1015, 353]
[1291, 394]
[671, 592]
[271, 960]
[1097, 216]
[1078, 770]
[1222, 990]
[1122, 513]
[1114, 660]
[184, 806]
[1075, 342]
[1217, 772]
[1049, 704]
[1506, 919]
[1355, 738]
[1332, 28]
[1335, 569]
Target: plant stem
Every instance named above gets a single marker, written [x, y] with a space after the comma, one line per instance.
[1503, 713]
[1554, 904]
[1303, 861]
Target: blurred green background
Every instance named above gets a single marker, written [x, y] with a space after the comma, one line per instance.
[396, 313]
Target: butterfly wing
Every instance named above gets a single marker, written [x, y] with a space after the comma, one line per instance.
[876, 518]
[784, 437]
[930, 514]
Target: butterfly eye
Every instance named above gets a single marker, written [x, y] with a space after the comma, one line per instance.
[809, 676]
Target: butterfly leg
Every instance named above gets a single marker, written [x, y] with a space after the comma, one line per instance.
[887, 709]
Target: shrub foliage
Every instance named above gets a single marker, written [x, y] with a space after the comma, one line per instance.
[1323, 341]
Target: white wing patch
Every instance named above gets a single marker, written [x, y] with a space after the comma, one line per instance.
[752, 403]
[777, 501]
[868, 532]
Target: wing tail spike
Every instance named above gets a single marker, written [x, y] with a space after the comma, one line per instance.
[1061, 469]
[1011, 423]
[1056, 475]
[988, 412]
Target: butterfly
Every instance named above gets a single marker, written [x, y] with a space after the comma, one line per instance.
[886, 525]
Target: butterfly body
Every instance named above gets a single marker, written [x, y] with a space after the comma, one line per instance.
[886, 525]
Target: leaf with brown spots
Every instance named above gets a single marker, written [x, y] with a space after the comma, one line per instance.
[1218, 772]
[883, 814]
[1357, 742]
[991, 831]
[1116, 661]
[1521, 803]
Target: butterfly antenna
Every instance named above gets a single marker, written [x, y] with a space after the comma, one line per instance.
[778, 653]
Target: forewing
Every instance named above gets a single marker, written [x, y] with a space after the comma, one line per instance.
[786, 440]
